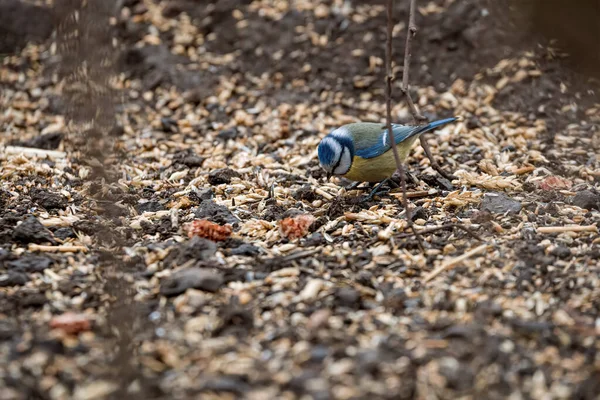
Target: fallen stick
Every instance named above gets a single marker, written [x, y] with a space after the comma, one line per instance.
[417, 193]
[29, 151]
[448, 265]
[59, 222]
[388, 103]
[524, 170]
[59, 249]
[568, 228]
[323, 193]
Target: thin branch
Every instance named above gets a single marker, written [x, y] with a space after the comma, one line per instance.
[434, 164]
[450, 264]
[388, 106]
[468, 230]
[412, 31]
[418, 117]
[388, 82]
[405, 87]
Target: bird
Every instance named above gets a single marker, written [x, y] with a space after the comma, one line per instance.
[361, 151]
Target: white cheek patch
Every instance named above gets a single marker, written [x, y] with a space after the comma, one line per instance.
[345, 163]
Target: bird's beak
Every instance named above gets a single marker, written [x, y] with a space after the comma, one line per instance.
[328, 175]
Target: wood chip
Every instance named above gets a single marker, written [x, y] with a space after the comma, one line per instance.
[447, 265]
[570, 228]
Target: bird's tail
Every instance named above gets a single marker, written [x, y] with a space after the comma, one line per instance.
[435, 124]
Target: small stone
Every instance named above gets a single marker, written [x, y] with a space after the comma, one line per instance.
[13, 279]
[587, 200]
[228, 134]
[347, 297]
[480, 217]
[221, 176]
[7, 329]
[64, 233]
[23, 23]
[192, 278]
[48, 200]
[561, 252]
[245, 249]
[395, 299]
[48, 141]
[214, 212]
[192, 161]
[197, 248]
[231, 384]
[168, 125]
[315, 239]
[305, 193]
[149, 206]
[30, 299]
[30, 263]
[499, 203]
[32, 231]
[318, 353]
[204, 194]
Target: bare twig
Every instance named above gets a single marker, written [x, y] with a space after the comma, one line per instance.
[388, 92]
[412, 31]
[388, 104]
[60, 249]
[59, 222]
[32, 152]
[568, 228]
[405, 87]
[419, 193]
[434, 163]
[453, 262]
[468, 230]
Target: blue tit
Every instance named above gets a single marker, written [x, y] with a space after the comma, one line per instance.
[361, 151]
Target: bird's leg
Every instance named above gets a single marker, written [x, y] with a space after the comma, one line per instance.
[434, 163]
[352, 186]
[393, 183]
[376, 189]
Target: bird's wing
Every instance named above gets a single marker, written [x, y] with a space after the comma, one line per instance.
[381, 143]
[365, 134]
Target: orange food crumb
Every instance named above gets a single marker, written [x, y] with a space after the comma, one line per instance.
[71, 323]
[208, 230]
[296, 227]
[555, 183]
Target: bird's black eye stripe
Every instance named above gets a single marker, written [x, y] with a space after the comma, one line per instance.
[337, 164]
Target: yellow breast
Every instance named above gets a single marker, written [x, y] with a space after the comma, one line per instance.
[378, 168]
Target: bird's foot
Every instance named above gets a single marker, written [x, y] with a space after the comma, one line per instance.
[377, 190]
[352, 186]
